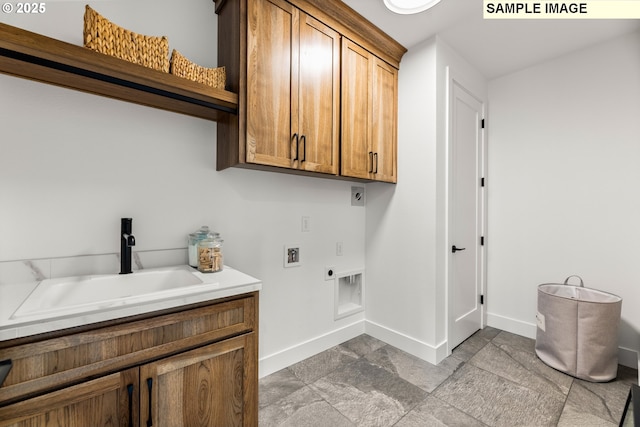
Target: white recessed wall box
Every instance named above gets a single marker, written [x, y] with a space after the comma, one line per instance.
[348, 293]
[292, 255]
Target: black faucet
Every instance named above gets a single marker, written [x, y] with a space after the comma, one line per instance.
[126, 242]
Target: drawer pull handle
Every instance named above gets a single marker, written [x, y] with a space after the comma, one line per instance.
[371, 161]
[303, 139]
[150, 387]
[130, 392]
[375, 156]
[5, 367]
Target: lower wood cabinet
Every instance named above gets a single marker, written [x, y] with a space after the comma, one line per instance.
[181, 383]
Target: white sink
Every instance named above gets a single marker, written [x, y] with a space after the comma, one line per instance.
[72, 295]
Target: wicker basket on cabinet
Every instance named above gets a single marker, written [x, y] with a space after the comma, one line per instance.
[103, 36]
[182, 67]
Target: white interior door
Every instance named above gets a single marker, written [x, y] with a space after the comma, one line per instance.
[465, 198]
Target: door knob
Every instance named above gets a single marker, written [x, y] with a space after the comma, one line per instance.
[454, 249]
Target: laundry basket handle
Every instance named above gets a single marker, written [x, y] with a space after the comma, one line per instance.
[566, 282]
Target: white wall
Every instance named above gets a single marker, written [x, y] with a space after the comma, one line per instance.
[564, 156]
[401, 219]
[73, 164]
[563, 177]
[406, 224]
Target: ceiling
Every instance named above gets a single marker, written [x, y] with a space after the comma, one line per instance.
[494, 47]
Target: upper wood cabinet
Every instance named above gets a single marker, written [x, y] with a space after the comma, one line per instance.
[369, 115]
[286, 61]
[293, 89]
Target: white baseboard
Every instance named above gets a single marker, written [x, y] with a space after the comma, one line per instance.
[626, 356]
[406, 343]
[432, 354]
[294, 354]
[514, 326]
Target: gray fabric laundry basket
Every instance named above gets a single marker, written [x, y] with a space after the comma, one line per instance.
[577, 330]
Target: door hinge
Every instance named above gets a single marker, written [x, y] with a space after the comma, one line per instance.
[481, 240]
[482, 123]
[482, 299]
[482, 182]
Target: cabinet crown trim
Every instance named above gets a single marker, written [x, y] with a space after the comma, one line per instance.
[354, 26]
[348, 22]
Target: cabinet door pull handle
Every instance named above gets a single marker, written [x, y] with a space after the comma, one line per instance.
[303, 139]
[5, 367]
[371, 161]
[130, 393]
[375, 156]
[295, 137]
[150, 388]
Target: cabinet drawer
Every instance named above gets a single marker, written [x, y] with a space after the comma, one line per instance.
[53, 363]
[104, 401]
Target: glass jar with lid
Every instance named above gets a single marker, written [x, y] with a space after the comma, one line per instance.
[203, 233]
[210, 257]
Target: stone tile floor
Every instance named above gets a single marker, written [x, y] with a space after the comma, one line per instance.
[492, 379]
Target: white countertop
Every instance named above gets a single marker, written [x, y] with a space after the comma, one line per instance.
[230, 282]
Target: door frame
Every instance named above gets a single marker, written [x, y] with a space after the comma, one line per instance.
[451, 78]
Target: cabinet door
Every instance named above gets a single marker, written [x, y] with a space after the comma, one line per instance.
[357, 157]
[385, 121]
[214, 385]
[107, 401]
[272, 70]
[319, 96]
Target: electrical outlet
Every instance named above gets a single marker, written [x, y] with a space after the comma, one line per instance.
[357, 196]
[339, 248]
[329, 273]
